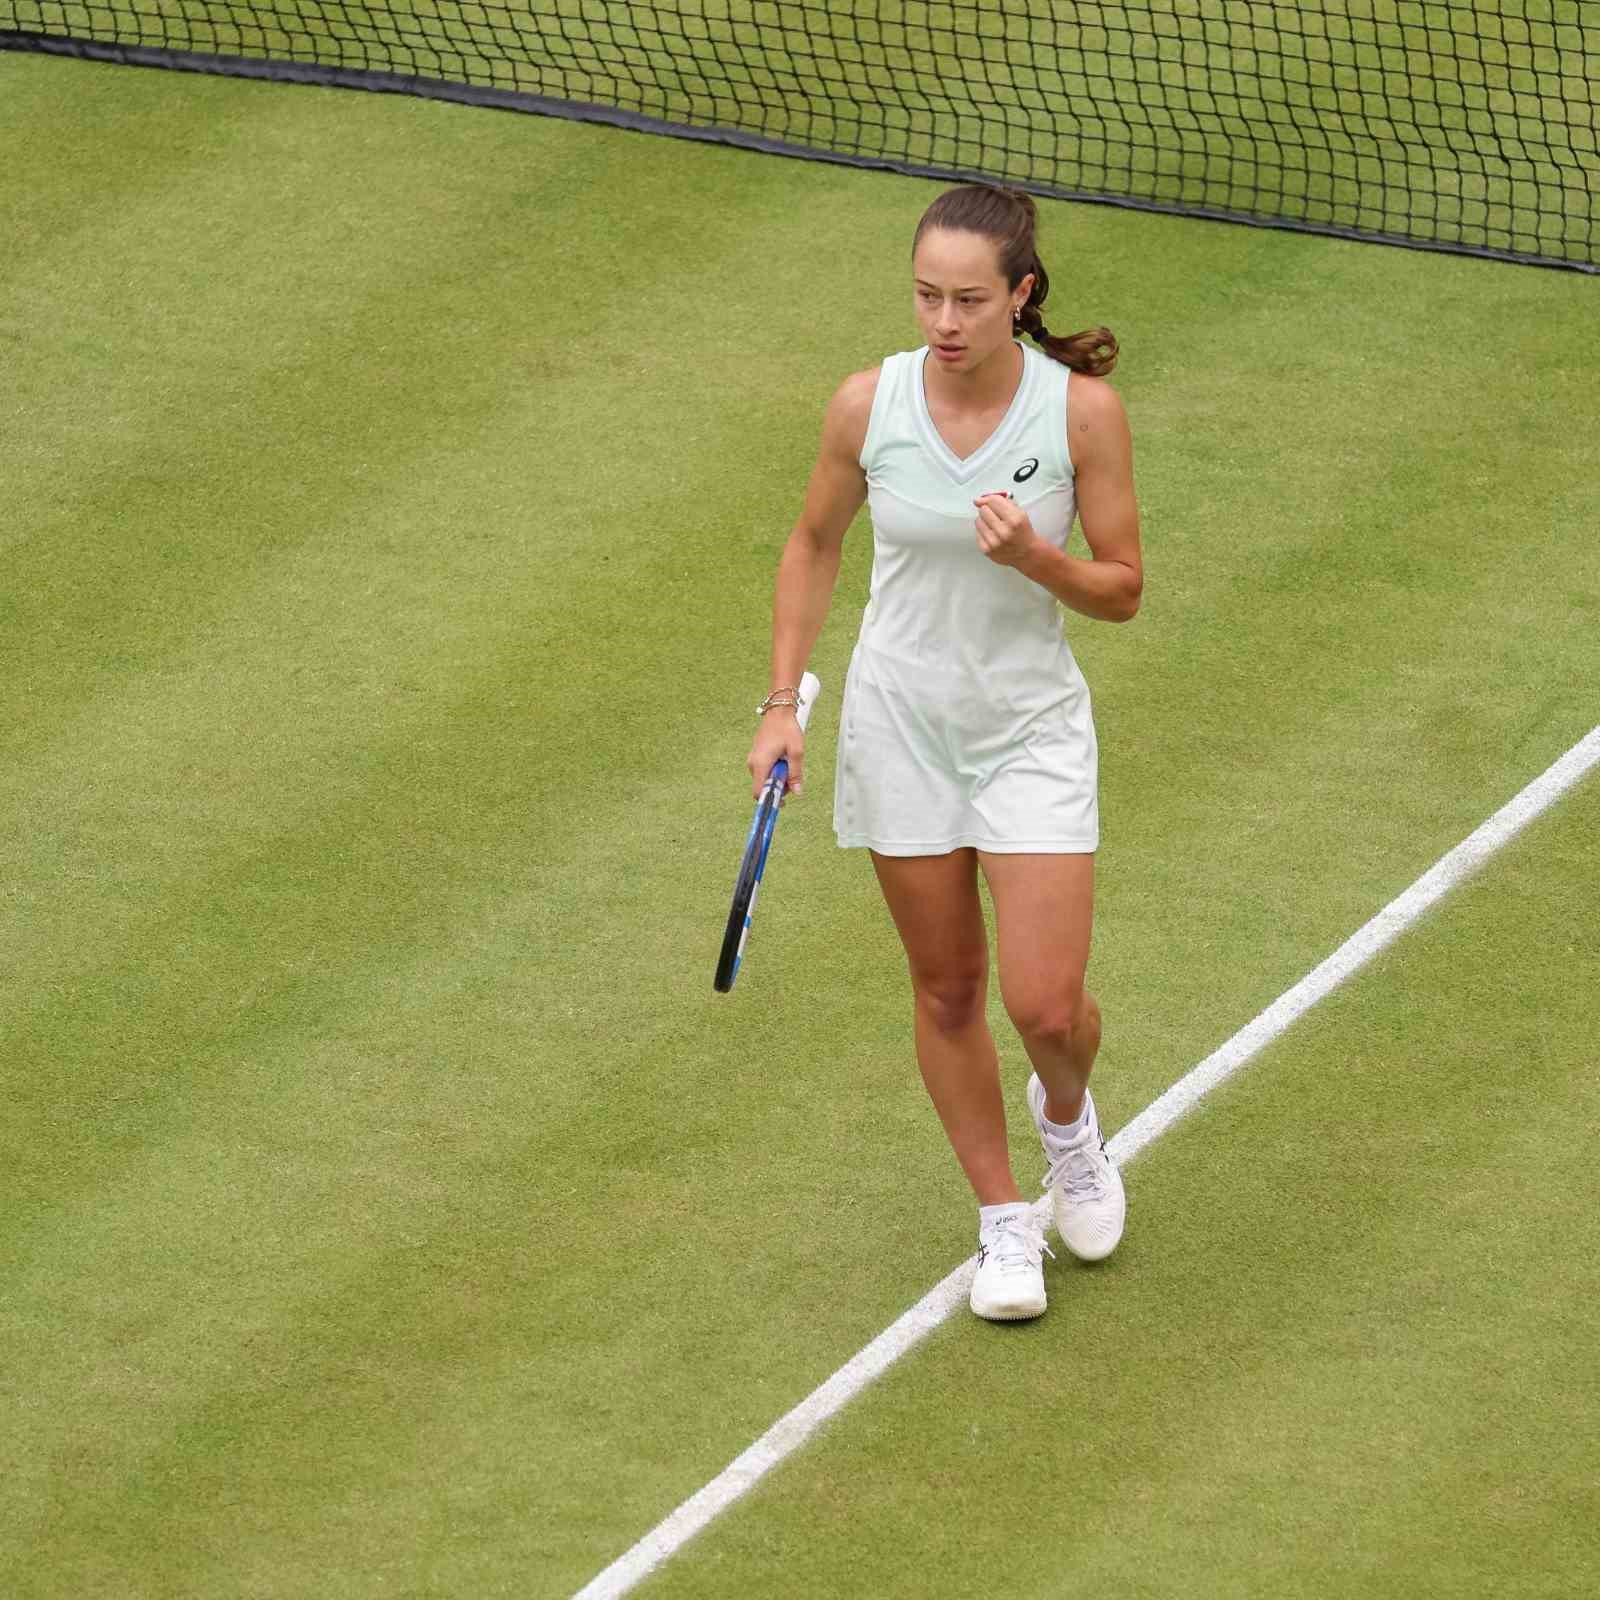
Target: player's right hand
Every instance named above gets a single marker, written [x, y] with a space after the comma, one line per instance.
[778, 739]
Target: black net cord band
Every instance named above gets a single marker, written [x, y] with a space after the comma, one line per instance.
[1466, 126]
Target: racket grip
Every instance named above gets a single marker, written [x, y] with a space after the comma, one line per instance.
[810, 688]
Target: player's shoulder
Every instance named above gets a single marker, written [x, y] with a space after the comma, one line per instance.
[1094, 400]
[853, 398]
[850, 409]
[1097, 424]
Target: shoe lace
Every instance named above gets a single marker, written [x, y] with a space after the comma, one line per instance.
[1016, 1243]
[1080, 1170]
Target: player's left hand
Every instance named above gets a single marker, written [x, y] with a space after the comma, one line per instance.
[1005, 534]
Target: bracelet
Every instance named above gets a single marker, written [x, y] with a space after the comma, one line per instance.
[773, 701]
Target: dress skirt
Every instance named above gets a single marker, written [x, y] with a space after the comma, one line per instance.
[931, 763]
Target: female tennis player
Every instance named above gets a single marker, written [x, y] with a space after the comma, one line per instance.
[966, 739]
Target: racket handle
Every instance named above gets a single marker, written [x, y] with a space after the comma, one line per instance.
[810, 688]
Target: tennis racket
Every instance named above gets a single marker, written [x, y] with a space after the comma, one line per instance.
[754, 862]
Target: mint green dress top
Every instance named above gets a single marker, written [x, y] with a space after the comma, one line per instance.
[966, 720]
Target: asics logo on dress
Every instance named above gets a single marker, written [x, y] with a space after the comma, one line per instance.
[1026, 470]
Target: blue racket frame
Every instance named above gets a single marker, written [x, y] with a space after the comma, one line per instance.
[747, 886]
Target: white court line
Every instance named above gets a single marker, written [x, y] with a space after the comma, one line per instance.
[791, 1431]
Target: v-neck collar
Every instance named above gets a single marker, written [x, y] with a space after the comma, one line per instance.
[963, 468]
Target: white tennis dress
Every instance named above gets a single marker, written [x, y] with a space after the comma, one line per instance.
[966, 720]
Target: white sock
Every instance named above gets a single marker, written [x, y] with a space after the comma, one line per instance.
[1066, 1131]
[992, 1214]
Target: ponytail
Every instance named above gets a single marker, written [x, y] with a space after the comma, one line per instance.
[1008, 218]
[1093, 352]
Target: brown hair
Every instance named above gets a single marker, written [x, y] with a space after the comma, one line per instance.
[1008, 218]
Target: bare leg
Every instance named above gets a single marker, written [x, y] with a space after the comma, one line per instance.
[934, 903]
[1044, 909]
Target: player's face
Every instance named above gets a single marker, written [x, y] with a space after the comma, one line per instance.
[964, 305]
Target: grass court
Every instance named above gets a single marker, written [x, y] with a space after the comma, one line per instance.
[387, 1205]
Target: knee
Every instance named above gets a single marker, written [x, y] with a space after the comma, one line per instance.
[952, 1001]
[1056, 1019]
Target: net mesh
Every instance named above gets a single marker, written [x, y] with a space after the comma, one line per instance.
[1465, 124]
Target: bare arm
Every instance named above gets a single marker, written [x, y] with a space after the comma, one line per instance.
[1108, 583]
[809, 567]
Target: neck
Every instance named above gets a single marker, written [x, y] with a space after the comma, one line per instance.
[993, 382]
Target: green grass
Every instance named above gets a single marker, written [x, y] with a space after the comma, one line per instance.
[386, 1203]
[1467, 122]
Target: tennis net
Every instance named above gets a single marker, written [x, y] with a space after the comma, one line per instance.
[1466, 125]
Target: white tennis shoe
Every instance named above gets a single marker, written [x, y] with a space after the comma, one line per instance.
[1085, 1186]
[1009, 1283]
